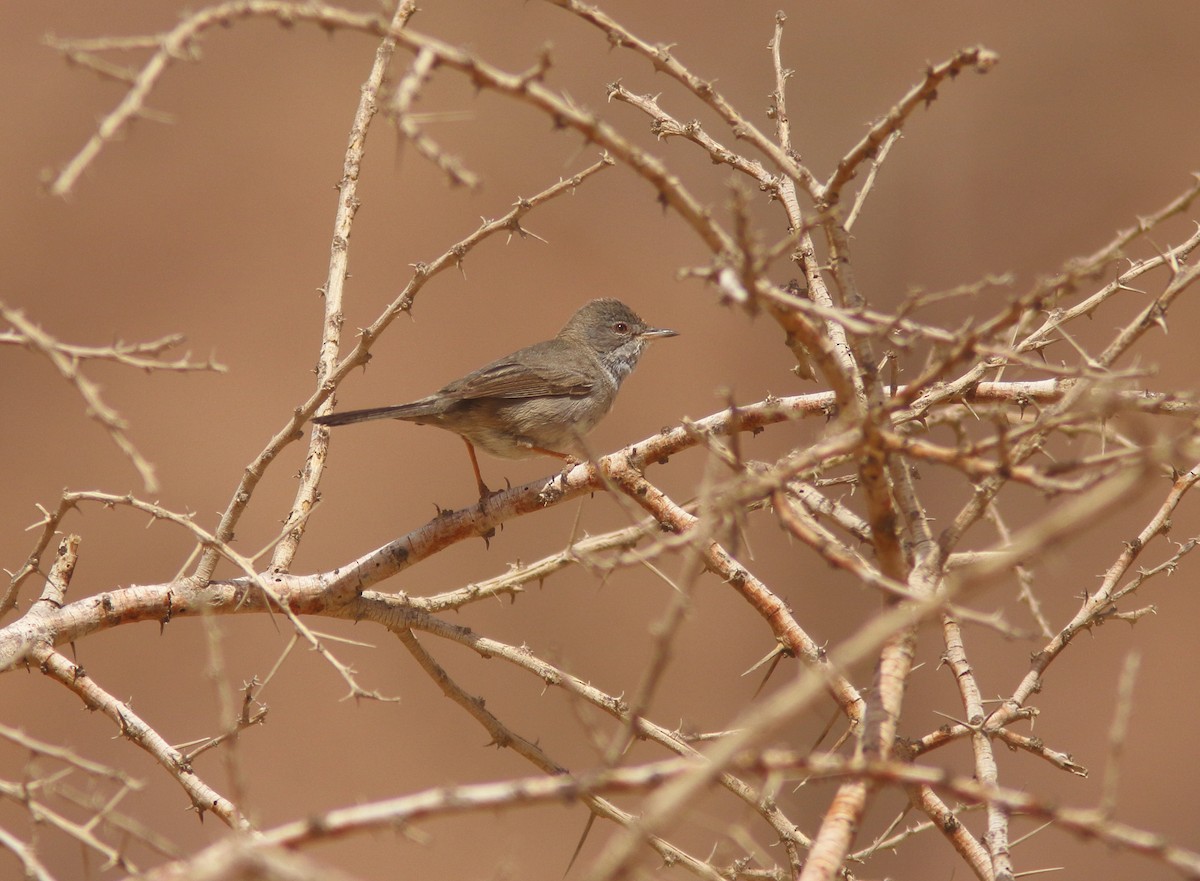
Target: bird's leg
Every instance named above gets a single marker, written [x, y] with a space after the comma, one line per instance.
[484, 492]
[571, 461]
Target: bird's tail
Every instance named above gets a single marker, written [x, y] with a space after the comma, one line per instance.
[411, 412]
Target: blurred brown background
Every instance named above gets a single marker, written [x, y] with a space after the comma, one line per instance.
[218, 226]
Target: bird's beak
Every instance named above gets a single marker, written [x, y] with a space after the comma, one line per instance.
[653, 333]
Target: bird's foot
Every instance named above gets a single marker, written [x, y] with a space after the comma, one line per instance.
[485, 493]
[568, 465]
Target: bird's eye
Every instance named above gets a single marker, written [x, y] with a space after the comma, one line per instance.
[621, 327]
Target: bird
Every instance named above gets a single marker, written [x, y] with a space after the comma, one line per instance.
[541, 399]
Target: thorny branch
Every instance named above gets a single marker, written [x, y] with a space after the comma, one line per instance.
[1006, 434]
[67, 360]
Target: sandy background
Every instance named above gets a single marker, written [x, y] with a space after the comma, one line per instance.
[218, 226]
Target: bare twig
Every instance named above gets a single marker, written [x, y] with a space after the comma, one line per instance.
[68, 367]
[333, 289]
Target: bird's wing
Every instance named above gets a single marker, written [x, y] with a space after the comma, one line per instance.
[529, 378]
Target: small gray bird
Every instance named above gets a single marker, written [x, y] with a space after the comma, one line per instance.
[540, 399]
